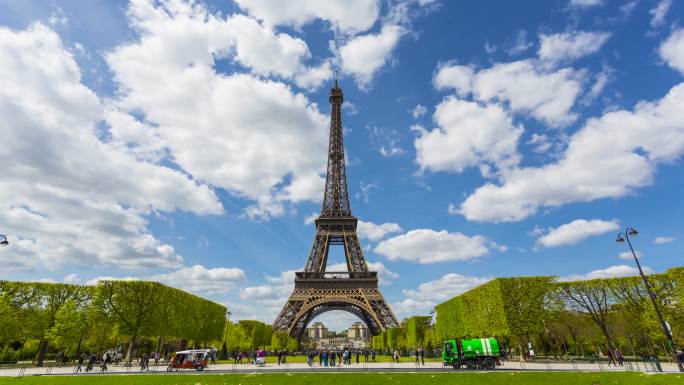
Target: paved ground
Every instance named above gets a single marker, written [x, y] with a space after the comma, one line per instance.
[376, 367]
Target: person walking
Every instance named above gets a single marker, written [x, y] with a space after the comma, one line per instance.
[280, 354]
[325, 359]
[357, 356]
[81, 358]
[310, 358]
[395, 356]
[417, 354]
[320, 358]
[422, 356]
[618, 356]
[332, 358]
[373, 355]
[365, 355]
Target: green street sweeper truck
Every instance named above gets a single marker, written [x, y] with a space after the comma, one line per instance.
[478, 353]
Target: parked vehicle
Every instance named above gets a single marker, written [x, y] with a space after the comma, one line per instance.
[189, 359]
[480, 353]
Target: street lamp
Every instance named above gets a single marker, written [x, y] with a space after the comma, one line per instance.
[3, 240]
[630, 231]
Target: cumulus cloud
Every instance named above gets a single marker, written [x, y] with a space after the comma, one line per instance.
[468, 134]
[427, 246]
[423, 299]
[663, 240]
[628, 255]
[576, 231]
[67, 196]
[247, 152]
[568, 46]
[374, 232]
[527, 87]
[609, 272]
[349, 16]
[363, 56]
[672, 50]
[595, 164]
[201, 280]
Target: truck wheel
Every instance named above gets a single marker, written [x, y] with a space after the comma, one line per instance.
[169, 369]
[200, 368]
[488, 363]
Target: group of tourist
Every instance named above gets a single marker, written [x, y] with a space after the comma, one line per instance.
[329, 357]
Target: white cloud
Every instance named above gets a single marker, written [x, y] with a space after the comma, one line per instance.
[310, 219]
[422, 300]
[374, 232]
[609, 157]
[363, 56]
[410, 307]
[448, 286]
[585, 3]
[457, 77]
[628, 255]
[66, 196]
[541, 143]
[527, 87]
[672, 50]
[576, 231]
[610, 272]
[428, 246]
[520, 44]
[568, 46]
[659, 12]
[201, 280]
[418, 111]
[350, 16]
[247, 152]
[72, 278]
[663, 240]
[468, 135]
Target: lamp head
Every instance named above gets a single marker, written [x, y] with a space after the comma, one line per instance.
[620, 239]
[632, 232]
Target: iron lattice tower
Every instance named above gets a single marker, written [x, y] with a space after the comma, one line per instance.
[355, 290]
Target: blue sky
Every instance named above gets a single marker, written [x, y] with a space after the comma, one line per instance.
[186, 142]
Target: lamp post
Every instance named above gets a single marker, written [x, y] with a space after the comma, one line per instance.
[3, 240]
[620, 239]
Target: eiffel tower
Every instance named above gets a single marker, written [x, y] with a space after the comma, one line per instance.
[355, 290]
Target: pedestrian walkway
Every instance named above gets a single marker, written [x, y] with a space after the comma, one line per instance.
[361, 367]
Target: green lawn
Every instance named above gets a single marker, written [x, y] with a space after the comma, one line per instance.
[508, 378]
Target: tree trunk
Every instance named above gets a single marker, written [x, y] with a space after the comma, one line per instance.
[157, 350]
[42, 350]
[78, 347]
[129, 354]
[631, 345]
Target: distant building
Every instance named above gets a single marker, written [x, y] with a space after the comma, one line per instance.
[317, 331]
[358, 331]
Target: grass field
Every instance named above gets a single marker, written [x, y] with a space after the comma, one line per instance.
[508, 378]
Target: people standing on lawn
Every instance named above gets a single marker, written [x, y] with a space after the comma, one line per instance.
[365, 355]
[372, 355]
